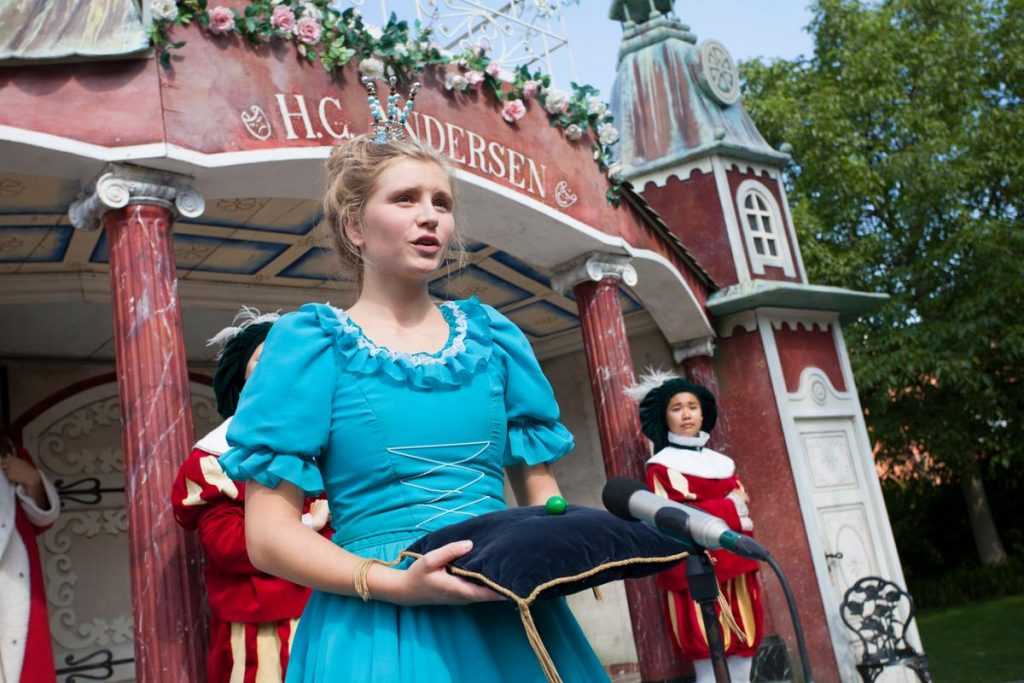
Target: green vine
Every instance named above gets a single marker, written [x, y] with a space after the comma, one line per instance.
[322, 34]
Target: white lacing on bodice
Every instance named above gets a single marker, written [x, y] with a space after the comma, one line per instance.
[455, 345]
[443, 501]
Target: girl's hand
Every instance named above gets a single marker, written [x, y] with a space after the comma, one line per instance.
[427, 581]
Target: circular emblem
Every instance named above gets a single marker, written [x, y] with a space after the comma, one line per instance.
[718, 73]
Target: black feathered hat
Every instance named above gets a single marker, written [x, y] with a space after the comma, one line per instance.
[654, 392]
[248, 330]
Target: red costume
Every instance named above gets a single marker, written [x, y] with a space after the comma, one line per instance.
[687, 473]
[254, 614]
[26, 655]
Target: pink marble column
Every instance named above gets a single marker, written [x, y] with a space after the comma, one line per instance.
[136, 207]
[624, 449]
[156, 412]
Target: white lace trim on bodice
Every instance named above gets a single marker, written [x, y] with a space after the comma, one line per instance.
[455, 345]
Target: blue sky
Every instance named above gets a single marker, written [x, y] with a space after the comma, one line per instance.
[749, 28]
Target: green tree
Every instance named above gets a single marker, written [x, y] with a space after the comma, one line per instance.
[908, 147]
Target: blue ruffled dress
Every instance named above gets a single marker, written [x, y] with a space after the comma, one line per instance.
[404, 444]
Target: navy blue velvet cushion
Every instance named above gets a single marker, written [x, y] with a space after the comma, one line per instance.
[533, 554]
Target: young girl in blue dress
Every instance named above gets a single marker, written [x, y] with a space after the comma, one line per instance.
[407, 414]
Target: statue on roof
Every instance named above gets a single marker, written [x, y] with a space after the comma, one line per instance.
[638, 11]
[33, 30]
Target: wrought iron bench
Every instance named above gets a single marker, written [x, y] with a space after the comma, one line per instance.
[880, 612]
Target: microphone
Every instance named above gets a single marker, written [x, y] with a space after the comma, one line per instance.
[630, 499]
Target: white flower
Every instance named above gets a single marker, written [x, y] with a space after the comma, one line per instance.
[372, 67]
[311, 10]
[401, 50]
[607, 134]
[556, 101]
[596, 106]
[573, 132]
[375, 31]
[455, 81]
[164, 10]
[615, 171]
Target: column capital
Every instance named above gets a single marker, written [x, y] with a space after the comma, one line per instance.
[705, 346]
[119, 185]
[593, 267]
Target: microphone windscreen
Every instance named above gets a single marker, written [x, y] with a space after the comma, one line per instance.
[616, 495]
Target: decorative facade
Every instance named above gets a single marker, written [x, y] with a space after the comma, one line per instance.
[132, 230]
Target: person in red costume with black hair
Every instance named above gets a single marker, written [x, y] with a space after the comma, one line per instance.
[254, 614]
[677, 416]
[28, 506]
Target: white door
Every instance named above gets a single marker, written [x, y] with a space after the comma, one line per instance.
[852, 526]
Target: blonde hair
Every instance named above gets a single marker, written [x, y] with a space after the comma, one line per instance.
[352, 172]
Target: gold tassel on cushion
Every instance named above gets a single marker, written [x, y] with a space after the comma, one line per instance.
[546, 663]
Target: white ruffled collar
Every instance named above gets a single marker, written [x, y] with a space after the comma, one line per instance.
[453, 346]
[696, 442]
[691, 457]
[216, 442]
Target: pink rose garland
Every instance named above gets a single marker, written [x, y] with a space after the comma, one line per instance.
[513, 111]
[283, 19]
[307, 30]
[222, 20]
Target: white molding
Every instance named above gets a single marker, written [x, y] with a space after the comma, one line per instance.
[729, 212]
[682, 172]
[59, 143]
[749, 167]
[593, 267]
[779, 233]
[795, 318]
[694, 349]
[816, 396]
[791, 229]
[726, 326]
[119, 185]
[801, 477]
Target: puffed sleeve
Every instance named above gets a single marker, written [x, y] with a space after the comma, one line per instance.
[535, 434]
[283, 419]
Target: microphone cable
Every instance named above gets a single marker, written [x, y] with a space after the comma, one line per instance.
[801, 644]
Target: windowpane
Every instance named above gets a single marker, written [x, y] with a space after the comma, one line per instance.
[749, 202]
[766, 224]
[759, 246]
[772, 248]
[752, 224]
[760, 203]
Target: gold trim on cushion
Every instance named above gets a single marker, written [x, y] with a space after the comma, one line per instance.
[543, 657]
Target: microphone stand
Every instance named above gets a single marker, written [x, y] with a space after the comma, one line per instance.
[700, 577]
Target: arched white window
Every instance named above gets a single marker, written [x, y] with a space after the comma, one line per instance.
[763, 228]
